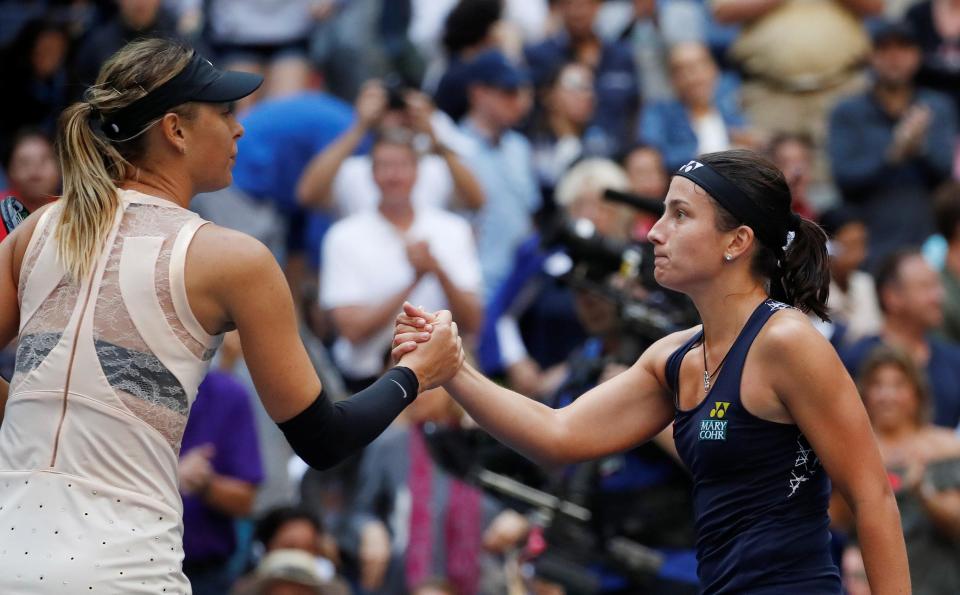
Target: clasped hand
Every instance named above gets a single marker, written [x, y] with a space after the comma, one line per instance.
[429, 344]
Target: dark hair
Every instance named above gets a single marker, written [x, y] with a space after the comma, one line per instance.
[783, 138]
[469, 23]
[836, 218]
[396, 136]
[888, 272]
[946, 209]
[623, 156]
[20, 137]
[884, 355]
[805, 270]
[271, 523]
[18, 55]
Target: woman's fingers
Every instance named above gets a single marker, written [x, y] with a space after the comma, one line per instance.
[400, 350]
[413, 336]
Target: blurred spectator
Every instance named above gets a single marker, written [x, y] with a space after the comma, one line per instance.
[652, 28]
[336, 179]
[262, 36]
[434, 587]
[281, 137]
[295, 529]
[471, 27]
[853, 306]
[32, 169]
[414, 521]
[705, 116]
[375, 260]
[219, 472]
[429, 20]
[798, 57]
[649, 179]
[502, 161]
[643, 494]
[135, 18]
[292, 572]
[562, 134]
[35, 80]
[937, 26]
[615, 80]
[890, 146]
[923, 462]
[911, 299]
[946, 208]
[531, 324]
[852, 571]
[793, 154]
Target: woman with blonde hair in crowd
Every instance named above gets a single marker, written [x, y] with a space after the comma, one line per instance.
[120, 296]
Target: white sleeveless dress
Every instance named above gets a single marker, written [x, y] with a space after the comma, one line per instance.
[106, 372]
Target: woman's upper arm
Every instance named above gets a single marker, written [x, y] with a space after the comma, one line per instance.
[12, 250]
[816, 389]
[625, 411]
[250, 292]
[9, 306]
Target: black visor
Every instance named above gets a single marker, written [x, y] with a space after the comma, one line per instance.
[198, 81]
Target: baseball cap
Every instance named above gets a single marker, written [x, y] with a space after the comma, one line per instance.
[198, 81]
[294, 566]
[889, 30]
[494, 69]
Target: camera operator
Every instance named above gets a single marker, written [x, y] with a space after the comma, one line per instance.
[531, 324]
[339, 178]
[643, 495]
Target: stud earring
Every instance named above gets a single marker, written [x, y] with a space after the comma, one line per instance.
[727, 257]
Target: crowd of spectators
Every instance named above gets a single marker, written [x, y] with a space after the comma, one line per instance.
[428, 151]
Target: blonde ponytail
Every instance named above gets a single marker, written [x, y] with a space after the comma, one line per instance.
[94, 165]
[90, 199]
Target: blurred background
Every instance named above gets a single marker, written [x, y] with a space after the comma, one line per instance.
[504, 159]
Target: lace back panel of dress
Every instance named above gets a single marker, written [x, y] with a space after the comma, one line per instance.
[144, 384]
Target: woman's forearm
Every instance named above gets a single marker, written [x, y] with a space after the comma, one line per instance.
[881, 541]
[529, 427]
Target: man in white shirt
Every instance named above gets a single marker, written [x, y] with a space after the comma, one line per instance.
[375, 260]
[338, 178]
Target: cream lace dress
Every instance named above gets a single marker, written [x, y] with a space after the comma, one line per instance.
[106, 372]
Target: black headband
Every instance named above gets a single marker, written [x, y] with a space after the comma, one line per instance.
[198, 81]
[775, 229]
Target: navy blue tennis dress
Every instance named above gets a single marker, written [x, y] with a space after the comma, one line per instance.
[760, 495]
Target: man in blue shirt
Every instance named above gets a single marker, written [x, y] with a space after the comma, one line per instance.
[889, 147]
[501, 160]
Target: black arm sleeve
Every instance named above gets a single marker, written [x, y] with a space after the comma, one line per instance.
[326, 433]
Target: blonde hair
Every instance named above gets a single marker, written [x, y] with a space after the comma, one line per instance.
[92, 164]
[591, 177]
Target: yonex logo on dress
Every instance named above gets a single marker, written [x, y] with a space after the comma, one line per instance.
[719, 409]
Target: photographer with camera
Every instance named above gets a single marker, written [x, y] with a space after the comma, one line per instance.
[341, 179]
[765, 417]
[531, 325]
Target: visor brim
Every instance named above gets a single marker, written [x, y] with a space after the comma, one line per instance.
[230, 86]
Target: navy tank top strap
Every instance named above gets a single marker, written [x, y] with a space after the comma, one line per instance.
[729, 376]
[673, 366]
